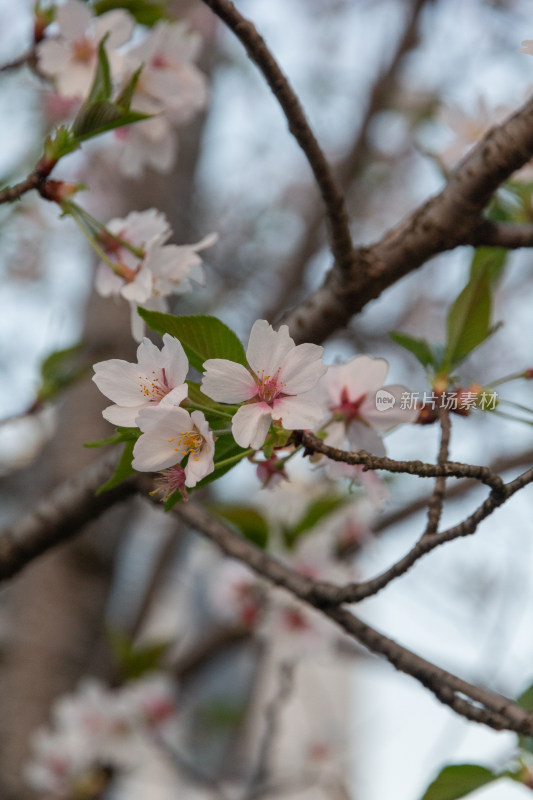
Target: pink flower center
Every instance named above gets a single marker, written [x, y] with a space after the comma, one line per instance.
[83, 50]
[269, 387]
[169, 481]
[158, 62]
[349, 409]
[155, 387]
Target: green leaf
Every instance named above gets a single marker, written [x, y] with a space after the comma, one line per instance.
[314, 514]
[60, 143]
[145, 12]
[102, 85]
[249, 522]
[459, 780]
[418, 347]
[120, 435]
[101, 117]
[490, 261]
[468, 323]
[123, 469]
[134, 661]
[125, 97]
[202, 337]
[60, 369]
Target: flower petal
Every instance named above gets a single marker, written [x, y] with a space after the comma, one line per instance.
[383, 409]
[175, 397]
[302, 368]
[298, 412]
[361, 375]
[120, 381]
[361, 437]
[227, 382]
[250, 425]
[160, 447]
[73, 18]
[122, 416]
[267, 348]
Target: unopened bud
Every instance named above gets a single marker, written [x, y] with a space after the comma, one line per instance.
[59, 191]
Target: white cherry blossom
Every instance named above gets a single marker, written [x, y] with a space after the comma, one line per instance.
[361, 407]
[169, 81]
[277, 386]
[169, 435]
[158, 378]
[149, 270]
[71, 58]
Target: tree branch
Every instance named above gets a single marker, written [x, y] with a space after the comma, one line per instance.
[501, 234]
[467, 700]
[442, 223]
[61, 516]
[448, 469]
[244, 30]
[437, 498]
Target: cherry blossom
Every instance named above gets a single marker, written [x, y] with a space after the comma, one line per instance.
[71, 58]
[169, 435]
[158, 378]
[361, 407]
[151, 143]
[169, 81]
[98, 731]
[276, 386]
[145, 269]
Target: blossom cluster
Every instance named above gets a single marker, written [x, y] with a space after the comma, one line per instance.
[171, 88]
[283, 384]
[99, 732]
[142, 268]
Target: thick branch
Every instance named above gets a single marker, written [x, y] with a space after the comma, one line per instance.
[501, 234]
[60, 516]
[341, 240]
[442, 223]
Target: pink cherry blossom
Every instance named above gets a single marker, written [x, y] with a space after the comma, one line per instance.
[169, 435]
[276, 386]
[158, 378]
[361, 406]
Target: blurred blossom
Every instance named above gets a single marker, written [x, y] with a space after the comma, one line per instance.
[361, 408]
[71, 57]
[146, 270]
[99, 731]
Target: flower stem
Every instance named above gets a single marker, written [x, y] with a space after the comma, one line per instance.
[209, 409]
[233, 459]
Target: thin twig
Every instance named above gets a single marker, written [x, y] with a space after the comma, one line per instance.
[467, 700]
[334, 202]
[449, 469]
[273, 711]
[437, 498]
